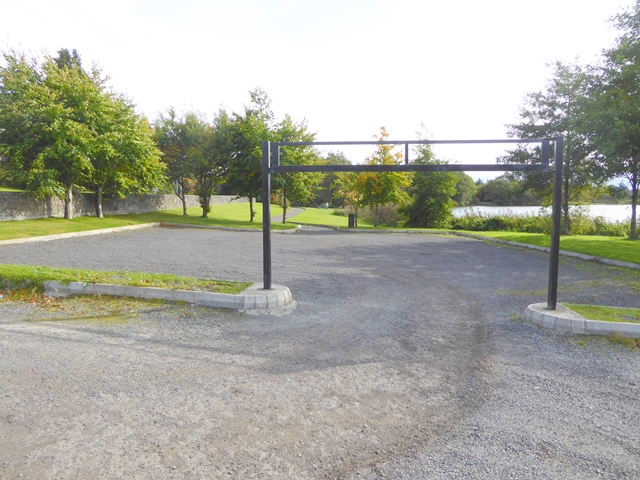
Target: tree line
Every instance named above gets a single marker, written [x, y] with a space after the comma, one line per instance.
[596, 108]
[62, 128]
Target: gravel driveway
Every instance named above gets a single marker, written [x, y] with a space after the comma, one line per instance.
[405, 357]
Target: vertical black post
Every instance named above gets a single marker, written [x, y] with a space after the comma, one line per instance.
[554, 259]
[266, 215]
[406, 153]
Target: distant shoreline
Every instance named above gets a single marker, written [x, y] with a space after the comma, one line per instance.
[610, 212]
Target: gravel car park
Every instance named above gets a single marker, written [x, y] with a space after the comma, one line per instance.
[404, 356]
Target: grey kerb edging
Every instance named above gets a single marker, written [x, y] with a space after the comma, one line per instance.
[250, 299]
[564, 320]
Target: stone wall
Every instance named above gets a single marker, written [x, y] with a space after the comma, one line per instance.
[19, 206]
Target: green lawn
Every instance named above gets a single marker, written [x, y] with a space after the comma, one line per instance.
[607, 314]
[325, 216]
[13, 276]
[229, 215]
[616, 248]
[10, 189]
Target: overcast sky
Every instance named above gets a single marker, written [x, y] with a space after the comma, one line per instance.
[348, 66]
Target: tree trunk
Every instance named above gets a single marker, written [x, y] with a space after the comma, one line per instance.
[183, 198]
[284, 206]
[178, 189]
[98, 202]
[68, 204]
[251, 212]
[376, 216]
[206, 200]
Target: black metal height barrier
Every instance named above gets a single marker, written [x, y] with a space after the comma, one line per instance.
[271, 165]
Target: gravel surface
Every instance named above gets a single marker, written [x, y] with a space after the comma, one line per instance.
[405, 357]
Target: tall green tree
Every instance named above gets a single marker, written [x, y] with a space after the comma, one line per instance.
[613, 107]
[124, 157]
[43, 131]
[326, 191]
[296, 186]
[466, 189]
[249, 129]
[170, 136]
[209, 157]
[60, 128]
[431, 194]
[380, 188]
[550, 113]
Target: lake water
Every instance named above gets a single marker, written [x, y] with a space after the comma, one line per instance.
[610, 212]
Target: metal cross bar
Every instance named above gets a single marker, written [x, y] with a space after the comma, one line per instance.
[412, 142]
[450, 167]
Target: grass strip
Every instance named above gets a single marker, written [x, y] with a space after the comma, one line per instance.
[234, 215]
[615, 248]
[606, 314]
[32, 278]
[326, 216]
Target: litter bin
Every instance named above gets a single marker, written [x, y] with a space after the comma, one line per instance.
[352, 220]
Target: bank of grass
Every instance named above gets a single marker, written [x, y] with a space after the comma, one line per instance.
[615, 248]
[606, 314]
[328, 217]
[21, 278]
[234, 215]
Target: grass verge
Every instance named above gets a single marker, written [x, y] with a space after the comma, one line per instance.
[234, 215]
[31, 278]
[615, 248]
[606, 314]
[326, 216]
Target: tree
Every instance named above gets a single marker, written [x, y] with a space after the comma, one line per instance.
[209, 157]
[431, 194]
[60, 128]
[376, 189]
[169, 135]
[67, 59]
[554, 112]
[466, 189]
[613, 107]
[123, 155]
[249, 129]
[345, 190]
[296, 186]
[327, 190]
[42, 125]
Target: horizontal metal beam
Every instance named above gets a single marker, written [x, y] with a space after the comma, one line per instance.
[411, 142]
[414, 167]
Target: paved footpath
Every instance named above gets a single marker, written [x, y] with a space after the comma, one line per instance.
[405, 357]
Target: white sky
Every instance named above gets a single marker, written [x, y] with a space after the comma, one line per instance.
[348, 66]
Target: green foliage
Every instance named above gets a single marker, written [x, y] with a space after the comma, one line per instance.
[327, 191]
[170, 134]
[466, 189]
[556, 112]
[506, 190]
[582, 224]
[375, 189]
[250, 128]
[297, 187]
[612, 108]
[60, 128]
[431, 194]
